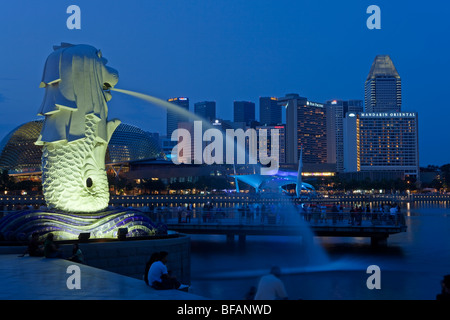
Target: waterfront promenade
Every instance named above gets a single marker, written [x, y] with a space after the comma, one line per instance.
[34, 278]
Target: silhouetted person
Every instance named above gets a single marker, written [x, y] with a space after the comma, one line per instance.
[153, 258]
[271, 287]
[334, 213]
[34, 248]
[50, 248]
[359, 212]
[159, 277]
[77, 254]
[445, 291]
[352, 215]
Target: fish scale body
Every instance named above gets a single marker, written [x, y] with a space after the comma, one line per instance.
[66, 166]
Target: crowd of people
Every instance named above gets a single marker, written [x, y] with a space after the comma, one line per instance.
[383, 213]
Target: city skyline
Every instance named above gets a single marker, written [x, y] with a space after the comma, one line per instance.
[227, 52]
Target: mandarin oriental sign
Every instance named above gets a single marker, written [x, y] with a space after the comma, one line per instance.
[387, 114]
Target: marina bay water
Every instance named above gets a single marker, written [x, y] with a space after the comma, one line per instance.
[411, 266]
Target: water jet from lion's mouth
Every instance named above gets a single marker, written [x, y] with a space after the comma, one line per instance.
[174, 108]
[161, 103]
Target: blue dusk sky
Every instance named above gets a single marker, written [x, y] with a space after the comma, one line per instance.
[227, 50]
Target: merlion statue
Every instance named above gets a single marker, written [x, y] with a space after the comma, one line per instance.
[76, 131]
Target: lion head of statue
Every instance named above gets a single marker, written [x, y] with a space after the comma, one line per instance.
[77, 82]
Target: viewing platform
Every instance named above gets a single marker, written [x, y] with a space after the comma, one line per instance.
[378, 234]
[233, 223]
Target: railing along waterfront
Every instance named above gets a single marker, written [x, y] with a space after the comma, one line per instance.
[17, 202]
[274, 215]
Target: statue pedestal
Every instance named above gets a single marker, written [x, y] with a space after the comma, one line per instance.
[68, 226]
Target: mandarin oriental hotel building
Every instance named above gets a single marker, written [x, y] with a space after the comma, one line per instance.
[382, 141]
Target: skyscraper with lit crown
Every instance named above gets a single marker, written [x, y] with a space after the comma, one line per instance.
[383, 86]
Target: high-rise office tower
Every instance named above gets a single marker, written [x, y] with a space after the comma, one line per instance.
[305, 126]
[206, 110]
[383, 87]
[173, 117]
[269, 111]
[244, 111]
[336, 111]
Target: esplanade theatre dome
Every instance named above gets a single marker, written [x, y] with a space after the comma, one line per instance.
[19, 154]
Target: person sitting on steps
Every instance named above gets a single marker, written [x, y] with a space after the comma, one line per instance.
[159, 277]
